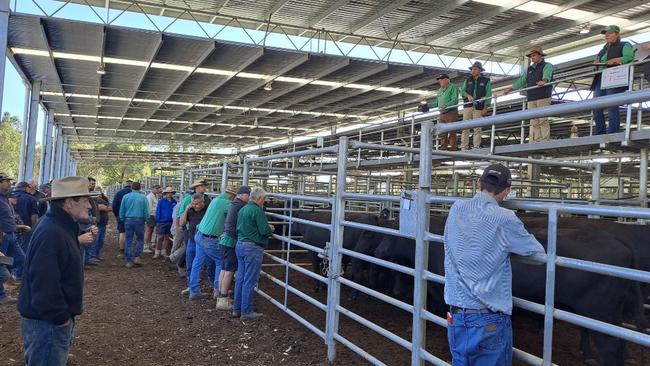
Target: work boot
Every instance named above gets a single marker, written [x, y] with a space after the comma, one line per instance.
[194, 297]
[137, 261]
[129, 265]
[223, 303]
[146, 249]
[156, 254]
[235, 314]
[186, 291]
[251, 316]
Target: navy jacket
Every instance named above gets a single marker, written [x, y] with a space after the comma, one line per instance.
[52, 287]
[117, 200]
[26, 206]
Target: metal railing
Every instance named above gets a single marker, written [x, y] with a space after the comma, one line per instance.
[420, 272]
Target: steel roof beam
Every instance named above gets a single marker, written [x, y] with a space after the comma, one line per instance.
[568, 24]
[138, 84]
[445, 31]
[279, 4]
[326, 12]
[423, 18]
[51, 59]
[390, 7]
[480, 36]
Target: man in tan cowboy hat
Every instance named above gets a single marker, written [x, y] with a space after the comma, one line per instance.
[473, 90]
[539, 74]
[51, 295]
[164, 218]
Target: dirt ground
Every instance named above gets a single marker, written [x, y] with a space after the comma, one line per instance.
[138, 317]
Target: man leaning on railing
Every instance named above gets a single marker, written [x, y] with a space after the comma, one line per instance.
[614, 53]
[447, 101]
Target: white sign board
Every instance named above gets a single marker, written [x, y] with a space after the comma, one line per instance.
[615, 77]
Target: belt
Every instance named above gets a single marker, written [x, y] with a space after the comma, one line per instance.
[455, 310]
[211, 236]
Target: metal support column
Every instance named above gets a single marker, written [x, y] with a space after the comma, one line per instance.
[224, 177]
[58, 154]
[32, 127]
[4, 31]
[23, 136]
[45, 166]
[549, 302]
[628, 111]
[643, 178]
[336, 243]
[245, 173]
[418, 337]
[595, 184]
[182, 183]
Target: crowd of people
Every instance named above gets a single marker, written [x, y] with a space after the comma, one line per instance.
[537, 85]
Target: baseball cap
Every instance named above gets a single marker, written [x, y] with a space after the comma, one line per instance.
[244, 190]
[22, 185]
[44, 186]
[498, 175]
[4, 176]
[442, 76]
[11, 194]
[611, 29]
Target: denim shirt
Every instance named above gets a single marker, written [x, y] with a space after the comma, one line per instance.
[479, 237]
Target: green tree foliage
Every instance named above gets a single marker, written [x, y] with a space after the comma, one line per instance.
[10, 137]
[111, 172]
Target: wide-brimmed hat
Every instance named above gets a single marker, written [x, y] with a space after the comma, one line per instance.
[69, 187]
[535, 49]
[477, 64]
[5, 176]
[231, 190]
[169, 190]
[199, 183]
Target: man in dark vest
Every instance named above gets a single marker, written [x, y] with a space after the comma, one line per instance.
[476, 87]
[614, 53]
[115, 206]
[539, 73]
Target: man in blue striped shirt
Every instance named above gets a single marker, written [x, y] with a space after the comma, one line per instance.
[479, 238]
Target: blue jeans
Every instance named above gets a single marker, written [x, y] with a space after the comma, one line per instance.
[249, 264]
[479, 339]
[133, 226]
[45, 343]
[190, 254]
[98, 244]
[613, 112]
[11, 248]
[23, 243]
[206, 250]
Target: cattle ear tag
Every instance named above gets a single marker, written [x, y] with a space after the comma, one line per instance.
[490, 327]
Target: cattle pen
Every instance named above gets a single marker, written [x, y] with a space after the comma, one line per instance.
[314, 186]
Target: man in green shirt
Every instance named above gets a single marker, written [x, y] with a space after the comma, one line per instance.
[538, 74]
[446, 101]
[207, 241]
[614, 53]
[253, 231]
[475, 88]
[181, 234]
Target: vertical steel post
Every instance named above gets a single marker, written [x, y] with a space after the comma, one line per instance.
[32, 127]
[182, 183]
[58, 155]
[493, 133]
[523, 125]
[245, 172]
[47, 150]
[4, 31]
[595, 184]
[24, 135]
[224, 177]
[643, 178]
[336, 242]
[549, 303]
[418, 337]
[628, 114]
[639, 112]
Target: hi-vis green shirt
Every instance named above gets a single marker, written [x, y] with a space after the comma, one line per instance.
[252, 225]
[447, 96]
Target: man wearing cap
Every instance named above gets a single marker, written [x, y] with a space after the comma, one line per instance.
[117, 202]
[446, 101]
[8, 244]
[152, 199]
[475, 88]
[226, 250]
[134, 211]
[164, 218]
[538, 74]
[479, 238]
[103, 208]
[253, 232]
[181, 234]
[195, 258]
[27, 208]
[207, 241]
[614, 53]
[51, 295]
